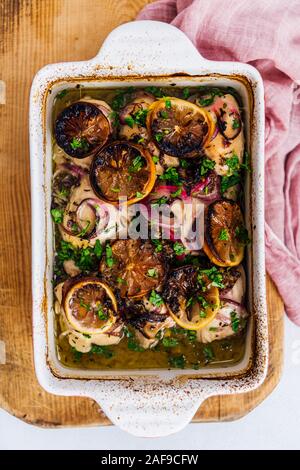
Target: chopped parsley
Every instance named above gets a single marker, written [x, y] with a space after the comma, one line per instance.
[235, 123]
[121, 97]
[159, 137]
[103, 350]
[155, 299]
[157, 92]
[186, 93]
[108, 256]
[139, 195]
[171, 175]
[223, 235]
[168, 104]
[229, 181]
[158, 245]
[177, 362]
[213, 275]
[235, 321]
[137, 164]
[206, 165]
[129, 121]
[155, 159]
[160, 201]
[178, 248]
[209, 95]
[79, 143]
[169, 342]
[101, 314]
[98, 250]
[208, 354]
[152, 272]
[57, 215]
[76, 354]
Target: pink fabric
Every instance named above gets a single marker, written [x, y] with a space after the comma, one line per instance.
[265, 34]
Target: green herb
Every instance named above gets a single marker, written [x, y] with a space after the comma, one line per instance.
[77, 354]
[139, 195]
[114, 117]
[158, 245]
[208, 354]
[223, 235]
[155, 299]
[191, 335]
[86, 335]
[177, 361]
[109, 257]
[57, 215]
[140, 117]
[157, 92]
[79, 143]
[61, 94]
[206, 165]
[115, 190]
[121, 97]
[186, 93]
[229, 181]
[235, 321]
[85, 258]
[103, 350]
[168, 104]
[155, 159]
[121, 281]
[241, 234]
[169, 342]
[213, 275]
[133, 345]
[129, 121]
[235, 123]
[176, 193]
[84, 230]
[141, 140]
[246, 165]
[98, 250]
[152, 272]
[210, 94]
[202, 314]
[203, 301]
[158, 202]
[171, 175]
[137, 164]
[84, 305]
[101, 314]
[159, 137]
[178, 248]
[184, 163]
[164, 114]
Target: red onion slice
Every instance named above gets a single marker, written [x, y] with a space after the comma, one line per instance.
[212, 183]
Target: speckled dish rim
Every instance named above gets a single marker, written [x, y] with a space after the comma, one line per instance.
[161, 402]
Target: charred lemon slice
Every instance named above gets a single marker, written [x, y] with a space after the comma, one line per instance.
[224, 227]
[133, 267]
[90, 306]
[191, 304]
[81, 128]
[178, 127]
[122, 170]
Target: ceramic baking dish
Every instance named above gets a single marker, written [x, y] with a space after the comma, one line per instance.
[156, 402]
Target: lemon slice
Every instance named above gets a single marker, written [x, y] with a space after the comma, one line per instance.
[90, 306]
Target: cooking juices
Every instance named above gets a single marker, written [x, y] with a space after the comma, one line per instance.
[151, 296]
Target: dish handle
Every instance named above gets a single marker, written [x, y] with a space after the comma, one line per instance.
[141, 47]
[151, 408]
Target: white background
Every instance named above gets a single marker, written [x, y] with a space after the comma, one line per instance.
[275, 424]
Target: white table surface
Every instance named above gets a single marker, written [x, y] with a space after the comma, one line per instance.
[273, 425]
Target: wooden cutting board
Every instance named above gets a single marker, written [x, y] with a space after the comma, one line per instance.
[32, 34]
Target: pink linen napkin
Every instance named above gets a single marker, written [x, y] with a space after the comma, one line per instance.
[266, 34]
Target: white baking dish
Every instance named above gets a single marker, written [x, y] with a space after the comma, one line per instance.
[145, 403]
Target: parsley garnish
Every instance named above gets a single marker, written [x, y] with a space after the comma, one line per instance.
[158, 245]
[213, 275]
[155, 299]
[170, 174]
[206, 165]
[186, 93]
[235, 321]
[157, 92]
[241, 234]
[61, 94]
[152, 272]
[169, 342]
[103, 350]
[208, 354]
[178, 248]
[129, 121]
[109, 257]
[223, 235]
[137, 164]
[168, 104]
[79, 143]
[57, 215]
[159, 137]
[177, 361]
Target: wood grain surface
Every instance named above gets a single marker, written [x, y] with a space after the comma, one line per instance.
[32, 34]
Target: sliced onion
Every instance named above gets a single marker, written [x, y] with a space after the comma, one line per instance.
[212, 181]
